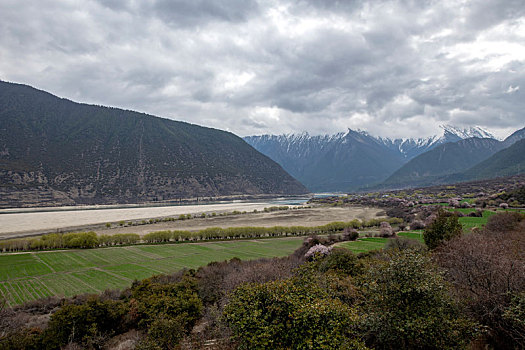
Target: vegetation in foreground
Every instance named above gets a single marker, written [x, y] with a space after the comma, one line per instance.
[320, 297]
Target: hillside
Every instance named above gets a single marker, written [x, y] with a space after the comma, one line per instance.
[446, 159]
[507, 162]
[55, 151]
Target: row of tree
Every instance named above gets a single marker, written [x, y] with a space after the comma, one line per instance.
[85, 240]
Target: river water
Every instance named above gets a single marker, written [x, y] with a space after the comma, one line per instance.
[35, 220]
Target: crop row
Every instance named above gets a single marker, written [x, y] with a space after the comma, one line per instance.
[29, 276]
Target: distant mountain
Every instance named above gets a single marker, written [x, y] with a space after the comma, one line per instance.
[350, 160]
[514, 137]
[445, 159]
[411, 148]
[55, 151]
[330, 162]
[507, 162]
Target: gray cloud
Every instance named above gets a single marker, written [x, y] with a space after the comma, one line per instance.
[396, 68]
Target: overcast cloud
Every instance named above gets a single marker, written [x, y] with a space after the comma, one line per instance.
[394, 68]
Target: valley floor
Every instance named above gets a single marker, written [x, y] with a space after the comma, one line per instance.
[315, 216]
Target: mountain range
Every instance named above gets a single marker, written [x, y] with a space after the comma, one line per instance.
[357, 160]
[55, 151]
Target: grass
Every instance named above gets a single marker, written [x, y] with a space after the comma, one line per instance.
[364, 244]
[29, 276]
[470, 222]
[416, 234]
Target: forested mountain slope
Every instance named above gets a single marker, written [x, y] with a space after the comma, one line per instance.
[55, 151]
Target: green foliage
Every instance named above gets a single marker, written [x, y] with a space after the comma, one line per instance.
[85, 323]
[407, 306]
[444, 227]
[341, 261]
[167, 311]
[290, 314]
[515, 313]
[22, 339]
[152, 300]
[166, 332]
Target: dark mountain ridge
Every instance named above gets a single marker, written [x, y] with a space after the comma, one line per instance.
[56, 150]
[445, 159]
[507, 162]
[451, 162]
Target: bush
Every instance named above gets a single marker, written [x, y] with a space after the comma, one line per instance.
[417, 225]
[152, 300]
[290, 314]
[350, 234]
[385, 229]
[342, 261]
[503, 222]
[407, 306]
[402, 243]
[445, 226]
[88, 324]
[317, 251]
[487, 269]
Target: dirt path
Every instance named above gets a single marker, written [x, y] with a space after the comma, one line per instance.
[298, 217]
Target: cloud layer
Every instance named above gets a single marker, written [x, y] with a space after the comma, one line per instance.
[394, 68]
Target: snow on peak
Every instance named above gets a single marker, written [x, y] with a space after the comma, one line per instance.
[465, 133]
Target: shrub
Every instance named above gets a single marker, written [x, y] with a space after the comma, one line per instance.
[86, 324]
[350, 234]
[290, 314]
[417, 225]
[317, 251]
[407, 306]
[503, 222]
[445, 226]
[487, 269]
[402, 243]
[341, 260]
[385, 229]
[153, 300]
[476, 214]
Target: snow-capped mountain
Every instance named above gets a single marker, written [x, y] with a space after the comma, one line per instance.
[351, 159]
[412, 147]
[330, 162]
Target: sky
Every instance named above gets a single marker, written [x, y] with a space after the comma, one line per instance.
[393, 68]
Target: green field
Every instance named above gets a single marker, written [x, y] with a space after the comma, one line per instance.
[364, 244]
[29, 276]
[367, 244]
[470, 222]
[417, 235]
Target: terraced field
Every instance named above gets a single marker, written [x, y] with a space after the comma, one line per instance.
[30, 276]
